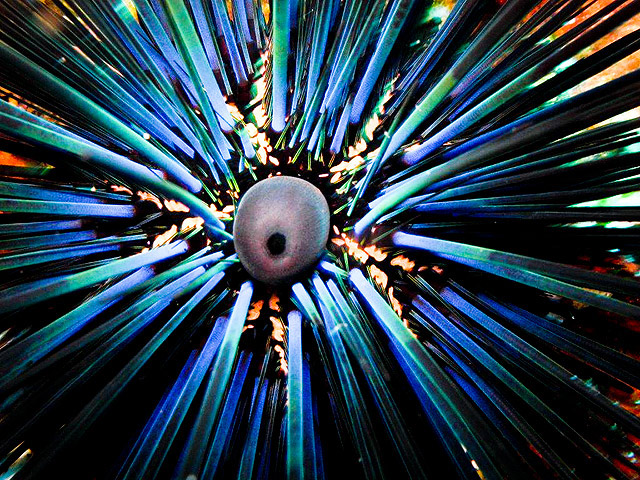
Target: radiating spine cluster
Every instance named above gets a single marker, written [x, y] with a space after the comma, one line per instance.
[476, 311]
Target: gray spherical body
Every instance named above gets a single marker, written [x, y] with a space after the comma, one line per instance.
[281, 228]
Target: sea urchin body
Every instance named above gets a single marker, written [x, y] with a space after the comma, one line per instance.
[319, 239]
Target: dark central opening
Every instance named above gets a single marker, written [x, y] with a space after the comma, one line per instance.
[276, 244]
